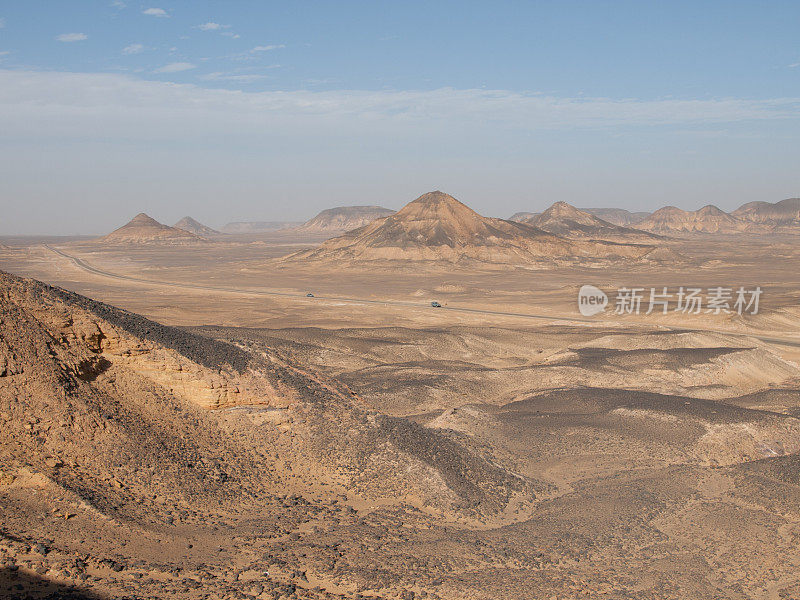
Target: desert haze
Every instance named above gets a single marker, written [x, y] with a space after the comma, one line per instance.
[399, 300]
[210, 414]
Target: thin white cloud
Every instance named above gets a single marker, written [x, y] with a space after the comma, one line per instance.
[230, 34]
[133, 49]
[240, 78]
[118, 4]
[258, 49]
[175, 67]
[155, 12]
[5, 52]
[211, 26]
[72, 37]
[254, 52]
[47, 104]
[794, 65]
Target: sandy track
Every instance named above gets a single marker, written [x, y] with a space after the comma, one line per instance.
[83, 265]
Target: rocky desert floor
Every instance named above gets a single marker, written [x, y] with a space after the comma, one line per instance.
[363, 444]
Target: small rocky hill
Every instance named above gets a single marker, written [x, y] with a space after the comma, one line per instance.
[708, 219]
[785, 213]
[195, 227]
[565, 220]
[143, 229]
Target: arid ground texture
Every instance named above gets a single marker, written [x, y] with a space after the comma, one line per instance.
[280, 412]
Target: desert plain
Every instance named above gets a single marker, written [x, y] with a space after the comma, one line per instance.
[278, 415]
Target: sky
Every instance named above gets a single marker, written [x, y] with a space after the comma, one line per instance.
[272, 111]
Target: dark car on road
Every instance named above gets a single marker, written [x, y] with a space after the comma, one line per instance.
[435, 304]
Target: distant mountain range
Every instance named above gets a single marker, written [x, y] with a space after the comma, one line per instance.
[753, 217]
[437, 220]
[615, 216]
[437, 227]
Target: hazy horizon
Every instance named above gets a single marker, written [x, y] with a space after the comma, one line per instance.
[220, 225]
[273, 113]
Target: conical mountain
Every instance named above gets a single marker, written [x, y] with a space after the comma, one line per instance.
[437, 227]
[143, 229]
[195, 227]
[708, 219]
[567, 221]
[344, 218]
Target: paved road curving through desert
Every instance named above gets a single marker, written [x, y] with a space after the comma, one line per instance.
[83, 265]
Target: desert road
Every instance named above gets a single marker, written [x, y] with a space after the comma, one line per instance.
[81, 264]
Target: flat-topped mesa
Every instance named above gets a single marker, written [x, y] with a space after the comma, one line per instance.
[344, 218]
[618, 216]
[143, 229]
[437, 227]
[522, 216]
